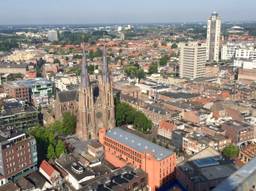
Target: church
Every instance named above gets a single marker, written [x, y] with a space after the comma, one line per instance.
[95, 102]
[92, 103]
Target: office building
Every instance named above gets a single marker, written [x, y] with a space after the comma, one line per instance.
[17, 115]
[192, 60]
[121, 148]
[18, 154]
[213, 37]
[40, 89]
[52, 35]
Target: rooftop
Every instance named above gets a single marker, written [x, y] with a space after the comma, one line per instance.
[207, 165]
[139, 144]
[74, 167]
[65, 96]
[31, 82]
[237, 178]
[47, 168]
[13, 106]
[115, 180]
[238, 125]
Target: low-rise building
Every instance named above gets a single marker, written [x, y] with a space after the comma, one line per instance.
[52, 175]
[126, 178]
[204, 171]
[77, 173]
[95, 149]
[238, 132]
[243, 179]
[165, 129]
[247, 153]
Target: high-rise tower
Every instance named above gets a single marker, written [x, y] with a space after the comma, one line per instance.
[213, 37]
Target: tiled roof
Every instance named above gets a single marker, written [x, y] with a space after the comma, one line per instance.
[47, 168]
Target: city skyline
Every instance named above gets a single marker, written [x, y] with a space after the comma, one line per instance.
[113, 11]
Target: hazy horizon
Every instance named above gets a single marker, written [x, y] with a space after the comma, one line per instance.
[52, 12]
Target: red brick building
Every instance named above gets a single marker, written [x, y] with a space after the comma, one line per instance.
[18, 155]
[14, 90]
[122, 148]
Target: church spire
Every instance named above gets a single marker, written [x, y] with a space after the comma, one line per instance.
[84, 72]
[105, 71]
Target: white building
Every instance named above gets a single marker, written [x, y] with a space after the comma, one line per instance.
[192, 60]
[213, 37]
[52, 35]
[228, 51]
[233, 50]
[246, 53]
[245, 63]
[63, 82]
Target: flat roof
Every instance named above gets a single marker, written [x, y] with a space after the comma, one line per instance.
[139, 144]
[237, 178]
[31, 82]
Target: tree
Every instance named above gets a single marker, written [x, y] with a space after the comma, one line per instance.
[140, 74]
[126, 114]
[50, 152]
[69, 123]
[130, 71]
[231, 151]
[163, 61]
[91, 69]
[153, 68]
[60, 148]
[174, 46]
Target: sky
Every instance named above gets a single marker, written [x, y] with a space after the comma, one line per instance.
[122, 11]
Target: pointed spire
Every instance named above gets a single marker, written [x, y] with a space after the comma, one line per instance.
[105, 71]
[84, 72]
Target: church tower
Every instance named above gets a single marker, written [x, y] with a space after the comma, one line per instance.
[106, 93]
[95, 111]
[86, 121]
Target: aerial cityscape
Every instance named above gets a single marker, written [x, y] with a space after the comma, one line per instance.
[128, 96]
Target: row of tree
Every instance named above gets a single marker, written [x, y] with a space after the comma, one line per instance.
[126, 115]
[49, 139]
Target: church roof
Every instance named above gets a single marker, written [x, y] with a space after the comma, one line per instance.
[66, 96]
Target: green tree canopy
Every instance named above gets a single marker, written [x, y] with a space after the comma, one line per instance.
[69, 123]
[51, 152]
[174, 46]
[153, 68]
[231, 151]
[163, 60]
[59, 148]
[126, 114]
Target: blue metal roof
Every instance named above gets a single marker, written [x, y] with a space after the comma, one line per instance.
[139, 144]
